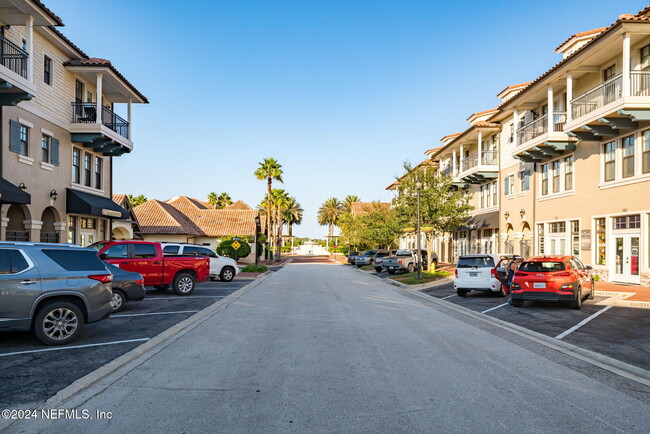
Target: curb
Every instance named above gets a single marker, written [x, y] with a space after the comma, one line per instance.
[435, 283]
[610, 364]
[79, 390]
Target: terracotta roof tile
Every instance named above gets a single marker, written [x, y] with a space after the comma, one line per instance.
[239, 205]
[486, 124]
[514, 86]
[362, 208]
[580, 35]
[482, 113]
[449, 136]
[120, 199]
[160, 218]
[52, 15]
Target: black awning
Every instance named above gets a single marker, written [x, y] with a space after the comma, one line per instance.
[79, 202]
[9, 193]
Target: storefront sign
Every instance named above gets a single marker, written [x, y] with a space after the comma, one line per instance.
[111, 213]
[585, 239]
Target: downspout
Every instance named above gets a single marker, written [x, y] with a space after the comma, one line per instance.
[110, 192]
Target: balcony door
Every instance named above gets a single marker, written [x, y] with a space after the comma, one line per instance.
[78, 98]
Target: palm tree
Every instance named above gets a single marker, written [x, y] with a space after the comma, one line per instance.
[270, 170]
[280, 200]
[349, 200]
[223, 200]
[293, 214]
[329, 213]
[213, 199]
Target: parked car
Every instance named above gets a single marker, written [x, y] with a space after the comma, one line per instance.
[552, 278]
[379, 259]
[146, 258]
[222, 267]
[126, 286]
[482, 272]
[365, 258]
[352, 257]
[406, 261]
[52, 290]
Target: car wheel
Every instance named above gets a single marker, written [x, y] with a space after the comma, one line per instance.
[378, 270]
[461, 293]
[410, 268]
[516, 303]
[227, 274]
[503, 291]
[118, 301]
[58, 323]
[577, 303]
[184, 284]
[591, 292]
[391, 271]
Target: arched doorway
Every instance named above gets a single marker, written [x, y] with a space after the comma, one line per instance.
[526, 242]
[508, 244]
[48, 231]
[15, 227]
[120, 233]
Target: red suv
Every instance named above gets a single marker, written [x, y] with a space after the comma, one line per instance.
[552, 278]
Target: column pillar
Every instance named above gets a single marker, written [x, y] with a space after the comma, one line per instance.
[453, 163]
[128, 134]
[4, 222]
[99, 98]
[550, 115]
[61, 229]
[29, 42]
[462, 156]
[626, 64]
[34, 229]
[569, 96]
[515, 124]
[480, 147]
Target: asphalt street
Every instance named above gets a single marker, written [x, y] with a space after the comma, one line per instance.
[31, 372]
[322, 348]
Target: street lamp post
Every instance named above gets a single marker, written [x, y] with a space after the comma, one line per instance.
[257, 232]
[418, 187]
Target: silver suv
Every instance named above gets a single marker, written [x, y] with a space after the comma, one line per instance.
[52, 289]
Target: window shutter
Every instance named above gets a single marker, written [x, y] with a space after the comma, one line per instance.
[14, 136]
[526, 179]
[55, 151]
[506, 186]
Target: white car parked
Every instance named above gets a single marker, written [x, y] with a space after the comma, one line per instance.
[220, 266]
[479, 273]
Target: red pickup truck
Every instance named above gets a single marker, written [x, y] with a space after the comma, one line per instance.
[146, 258]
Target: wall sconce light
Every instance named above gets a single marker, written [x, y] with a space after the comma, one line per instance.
[0, 195]
[522, 213]
[22, 186]
[506, 214]
[54, 194]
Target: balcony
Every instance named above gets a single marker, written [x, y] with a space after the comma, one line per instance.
[479, 170]
[13, 57]
[110, 136]
[539, 127]
[14, 83]
[536, 143]
[598, 97]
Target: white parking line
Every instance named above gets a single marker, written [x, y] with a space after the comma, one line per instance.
[73, 347]
[449, 296]
[153, 313]
[191, 297]
[581, 323]
[493, 308]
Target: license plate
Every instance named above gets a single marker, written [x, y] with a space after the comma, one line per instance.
[473, 274]
[539, 284]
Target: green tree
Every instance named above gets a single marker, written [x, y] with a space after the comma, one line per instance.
[349, 200]
[443, 207]
[242, 249]
[223, 200]
[377, 227]
[213, 199]
[293, 214]
[137, 200]
[270, 170]
[329, 214]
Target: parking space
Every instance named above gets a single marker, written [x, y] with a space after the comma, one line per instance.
[618, 332]
[31, 372]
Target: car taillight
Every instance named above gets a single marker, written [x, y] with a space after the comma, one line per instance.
[456, 272]
[520, 273]
[563, 274]
[515, 286]
[400, 261]
[140, 281]
[493, 273]
[567, 286]
[104, 278]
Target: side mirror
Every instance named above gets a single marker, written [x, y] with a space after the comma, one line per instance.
[103, 256]
[588, 267]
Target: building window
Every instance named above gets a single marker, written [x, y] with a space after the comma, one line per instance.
[610, 161]
[47, 70]
[76, 166]
[645, 57]
[509, 185]
[46, 142]
[544, 179]
[540, 238]
[494, 193]
[98, 172]
[557, 228]
[628, 156]
[627, 222]
[72, 229]
[24, 140]
[646, 151]
[511, 137]
[568, 173]
[601, 241]
[87, 223]
[482, 196]
[102, 230]
[556, 176]
[88, 158]
[609, 72]
[575, 237]
[524, 180]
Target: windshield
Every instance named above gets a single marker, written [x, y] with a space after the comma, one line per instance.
[98, 246]
[476, 262]
[381, 254]
[369, 252]
[403, 253]
[542, 267]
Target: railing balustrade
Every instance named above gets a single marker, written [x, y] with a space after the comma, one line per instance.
[49, 237]
[86, 113]
[17, 235]
[640, 83]
[540, 126]
[487, 158]
[13, 57]
[608, 92]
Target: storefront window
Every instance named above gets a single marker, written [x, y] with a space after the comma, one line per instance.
[540, 238]
[601, 241]
[72, 229]
[575, 237]
[557, 228]
[102, 230]
[628, 222]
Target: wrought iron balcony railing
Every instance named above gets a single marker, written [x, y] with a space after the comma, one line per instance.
[13, 57]
[86, 113]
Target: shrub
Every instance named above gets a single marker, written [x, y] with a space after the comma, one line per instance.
[255, 269]
[596, 277]
[285, 249]
[226, 249]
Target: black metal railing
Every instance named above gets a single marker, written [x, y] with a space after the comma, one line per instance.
[17, 236]
[49, 237]
[86, 113]
[13, 57]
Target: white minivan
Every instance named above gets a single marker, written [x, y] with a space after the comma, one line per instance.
[480, 273]
[220, 266]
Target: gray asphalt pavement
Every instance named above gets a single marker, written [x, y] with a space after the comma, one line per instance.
[322, 348]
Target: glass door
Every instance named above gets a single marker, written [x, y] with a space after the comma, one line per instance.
[626, 259]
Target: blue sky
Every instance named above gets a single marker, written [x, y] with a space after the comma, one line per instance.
[340, 92]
